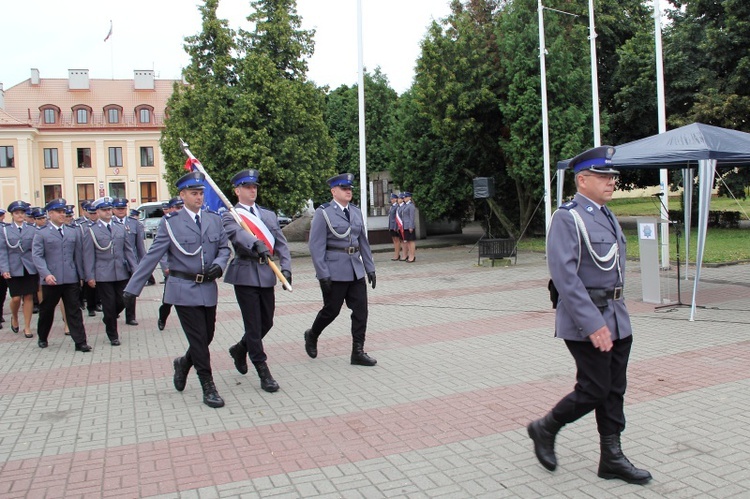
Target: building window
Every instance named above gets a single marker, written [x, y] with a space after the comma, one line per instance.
[50, 116]
[50, 158]
[148, 192]
[7, 159]
[82, 116]
[113, 116]
[117, 189]
[147, 156]
[52, 192]
[85, 192]
[144, 115]
[84, 157]
[115, 157]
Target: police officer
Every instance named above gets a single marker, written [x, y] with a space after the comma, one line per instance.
[586, 258]
[393, 228]
[136, 234]
[342, 258]
[198, 250]
[108, 264]
[83, 219]
[58, 257]
[408, 216]
[3, 283]
[93, 301]
[17, 266]
[40, 217]
[251, 276]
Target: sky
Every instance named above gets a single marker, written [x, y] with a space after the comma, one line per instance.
[55, 36]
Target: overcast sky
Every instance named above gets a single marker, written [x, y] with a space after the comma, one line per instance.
[55, 36]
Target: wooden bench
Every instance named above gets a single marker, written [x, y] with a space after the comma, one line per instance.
[497, 249]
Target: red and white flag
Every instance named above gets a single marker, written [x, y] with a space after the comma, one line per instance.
[110, 31]
[258, 227]
[400, 224]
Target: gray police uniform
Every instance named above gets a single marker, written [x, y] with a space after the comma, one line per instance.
[254, 281]
[62, 257]
[191, 251]
[17, 260]
[109, 261]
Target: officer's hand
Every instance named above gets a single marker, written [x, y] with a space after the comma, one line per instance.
[602, 339]
[91, 283]
[371, 279]
[287, 275]
[326, 285]
[214, 272]
[128, 299]
[262, 250]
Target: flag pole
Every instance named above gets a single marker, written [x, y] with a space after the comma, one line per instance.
[199, 166]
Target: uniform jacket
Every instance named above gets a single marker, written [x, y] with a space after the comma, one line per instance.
[117, 261]
[339, 265]
[59, 256]
[244, 269]
[407, 215]
[577, 317]
[392, 225]
[137, 235]
[15, 260]
[215, 250]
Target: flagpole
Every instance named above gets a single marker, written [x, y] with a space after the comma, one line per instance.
[199, 166]
[361, 99]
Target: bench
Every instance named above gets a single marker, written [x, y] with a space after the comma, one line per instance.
[497, 249]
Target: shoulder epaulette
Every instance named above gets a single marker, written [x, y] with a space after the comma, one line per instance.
[569, 205]
[324, 205]
[212, 212]
[352, 204]
[170, 215]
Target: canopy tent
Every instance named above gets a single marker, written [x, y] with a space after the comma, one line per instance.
[689, 146]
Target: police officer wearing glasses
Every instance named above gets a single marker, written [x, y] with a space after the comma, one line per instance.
[586, 259]
[197, 251]
[342, 259]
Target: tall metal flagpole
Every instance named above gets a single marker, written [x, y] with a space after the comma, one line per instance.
[594, 77]
[662, 113]
[361, 96]
[545, 120]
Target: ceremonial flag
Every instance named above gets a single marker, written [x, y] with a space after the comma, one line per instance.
[400, 223]
[211, 200]
[258, 227]
[110, 31]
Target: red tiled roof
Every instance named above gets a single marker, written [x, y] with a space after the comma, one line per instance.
[8, 120]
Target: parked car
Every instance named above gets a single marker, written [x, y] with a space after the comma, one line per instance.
[151, 225]
[151, 214]
[283, 219]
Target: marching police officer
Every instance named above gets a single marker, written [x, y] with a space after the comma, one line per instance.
[17, 266]
[108, 264]
[57, 251]
[586, 259]
[3, 283]
[342, 258]
[93, 301]
[136, 234]
[252, 278]
[198, 250]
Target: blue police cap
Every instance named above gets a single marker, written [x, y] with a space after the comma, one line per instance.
[18, 206]
[164, 205]
[394, 195]
[102, 203]
[597, 160]
[85, 203]
[55, 204]
[193, 180]
[246, 177]
[39, 213]
[119, 203]
[343, 180]
[2, 211]
[176, 201]
[407, 194]
[90, 208]
[69, 209]
[135, 213]
[401, 196]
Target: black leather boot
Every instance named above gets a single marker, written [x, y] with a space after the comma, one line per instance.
[239, 354]
[311, 344]
[267, 382]
[181, 370]
[614, 464]
[359, 357]
[211, 396]
[543, 432]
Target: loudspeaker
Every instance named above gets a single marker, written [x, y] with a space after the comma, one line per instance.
[484, 187]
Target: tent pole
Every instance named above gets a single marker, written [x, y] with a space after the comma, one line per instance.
[706, 172]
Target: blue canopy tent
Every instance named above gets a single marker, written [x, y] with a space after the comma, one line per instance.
[695, 145]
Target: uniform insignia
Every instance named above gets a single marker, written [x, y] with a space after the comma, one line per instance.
[569, 205]
[590, 209]
[170, 215]
[324, 205]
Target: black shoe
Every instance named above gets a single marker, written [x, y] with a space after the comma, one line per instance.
[98, 308]
[161, 324]
[82, 347]
[180, 373]
[15, 329]
[42, 344]
[132, 322]
[311, 344]
[360, 358]
[211, 396]
[267, 382]
[2, 319]
[240, 358]
[36, 310]
[92, 313]
[614, 464]
[115, 342]
[543, 432]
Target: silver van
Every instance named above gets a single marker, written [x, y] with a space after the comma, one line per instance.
[150, 215]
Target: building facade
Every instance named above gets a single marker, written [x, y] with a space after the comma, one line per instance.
[82, 138]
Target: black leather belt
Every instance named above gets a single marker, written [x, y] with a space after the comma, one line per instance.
[199, 278]
[606, 294]
[349, 249]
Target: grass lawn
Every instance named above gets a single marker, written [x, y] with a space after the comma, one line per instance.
[650, 206]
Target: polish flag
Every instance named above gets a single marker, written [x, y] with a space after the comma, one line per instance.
[258, 227]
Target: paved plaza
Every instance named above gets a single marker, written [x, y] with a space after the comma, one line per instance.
[466, 359]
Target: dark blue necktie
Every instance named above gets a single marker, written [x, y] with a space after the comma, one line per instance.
[198, 221]
[346, 213]
[608, 214]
